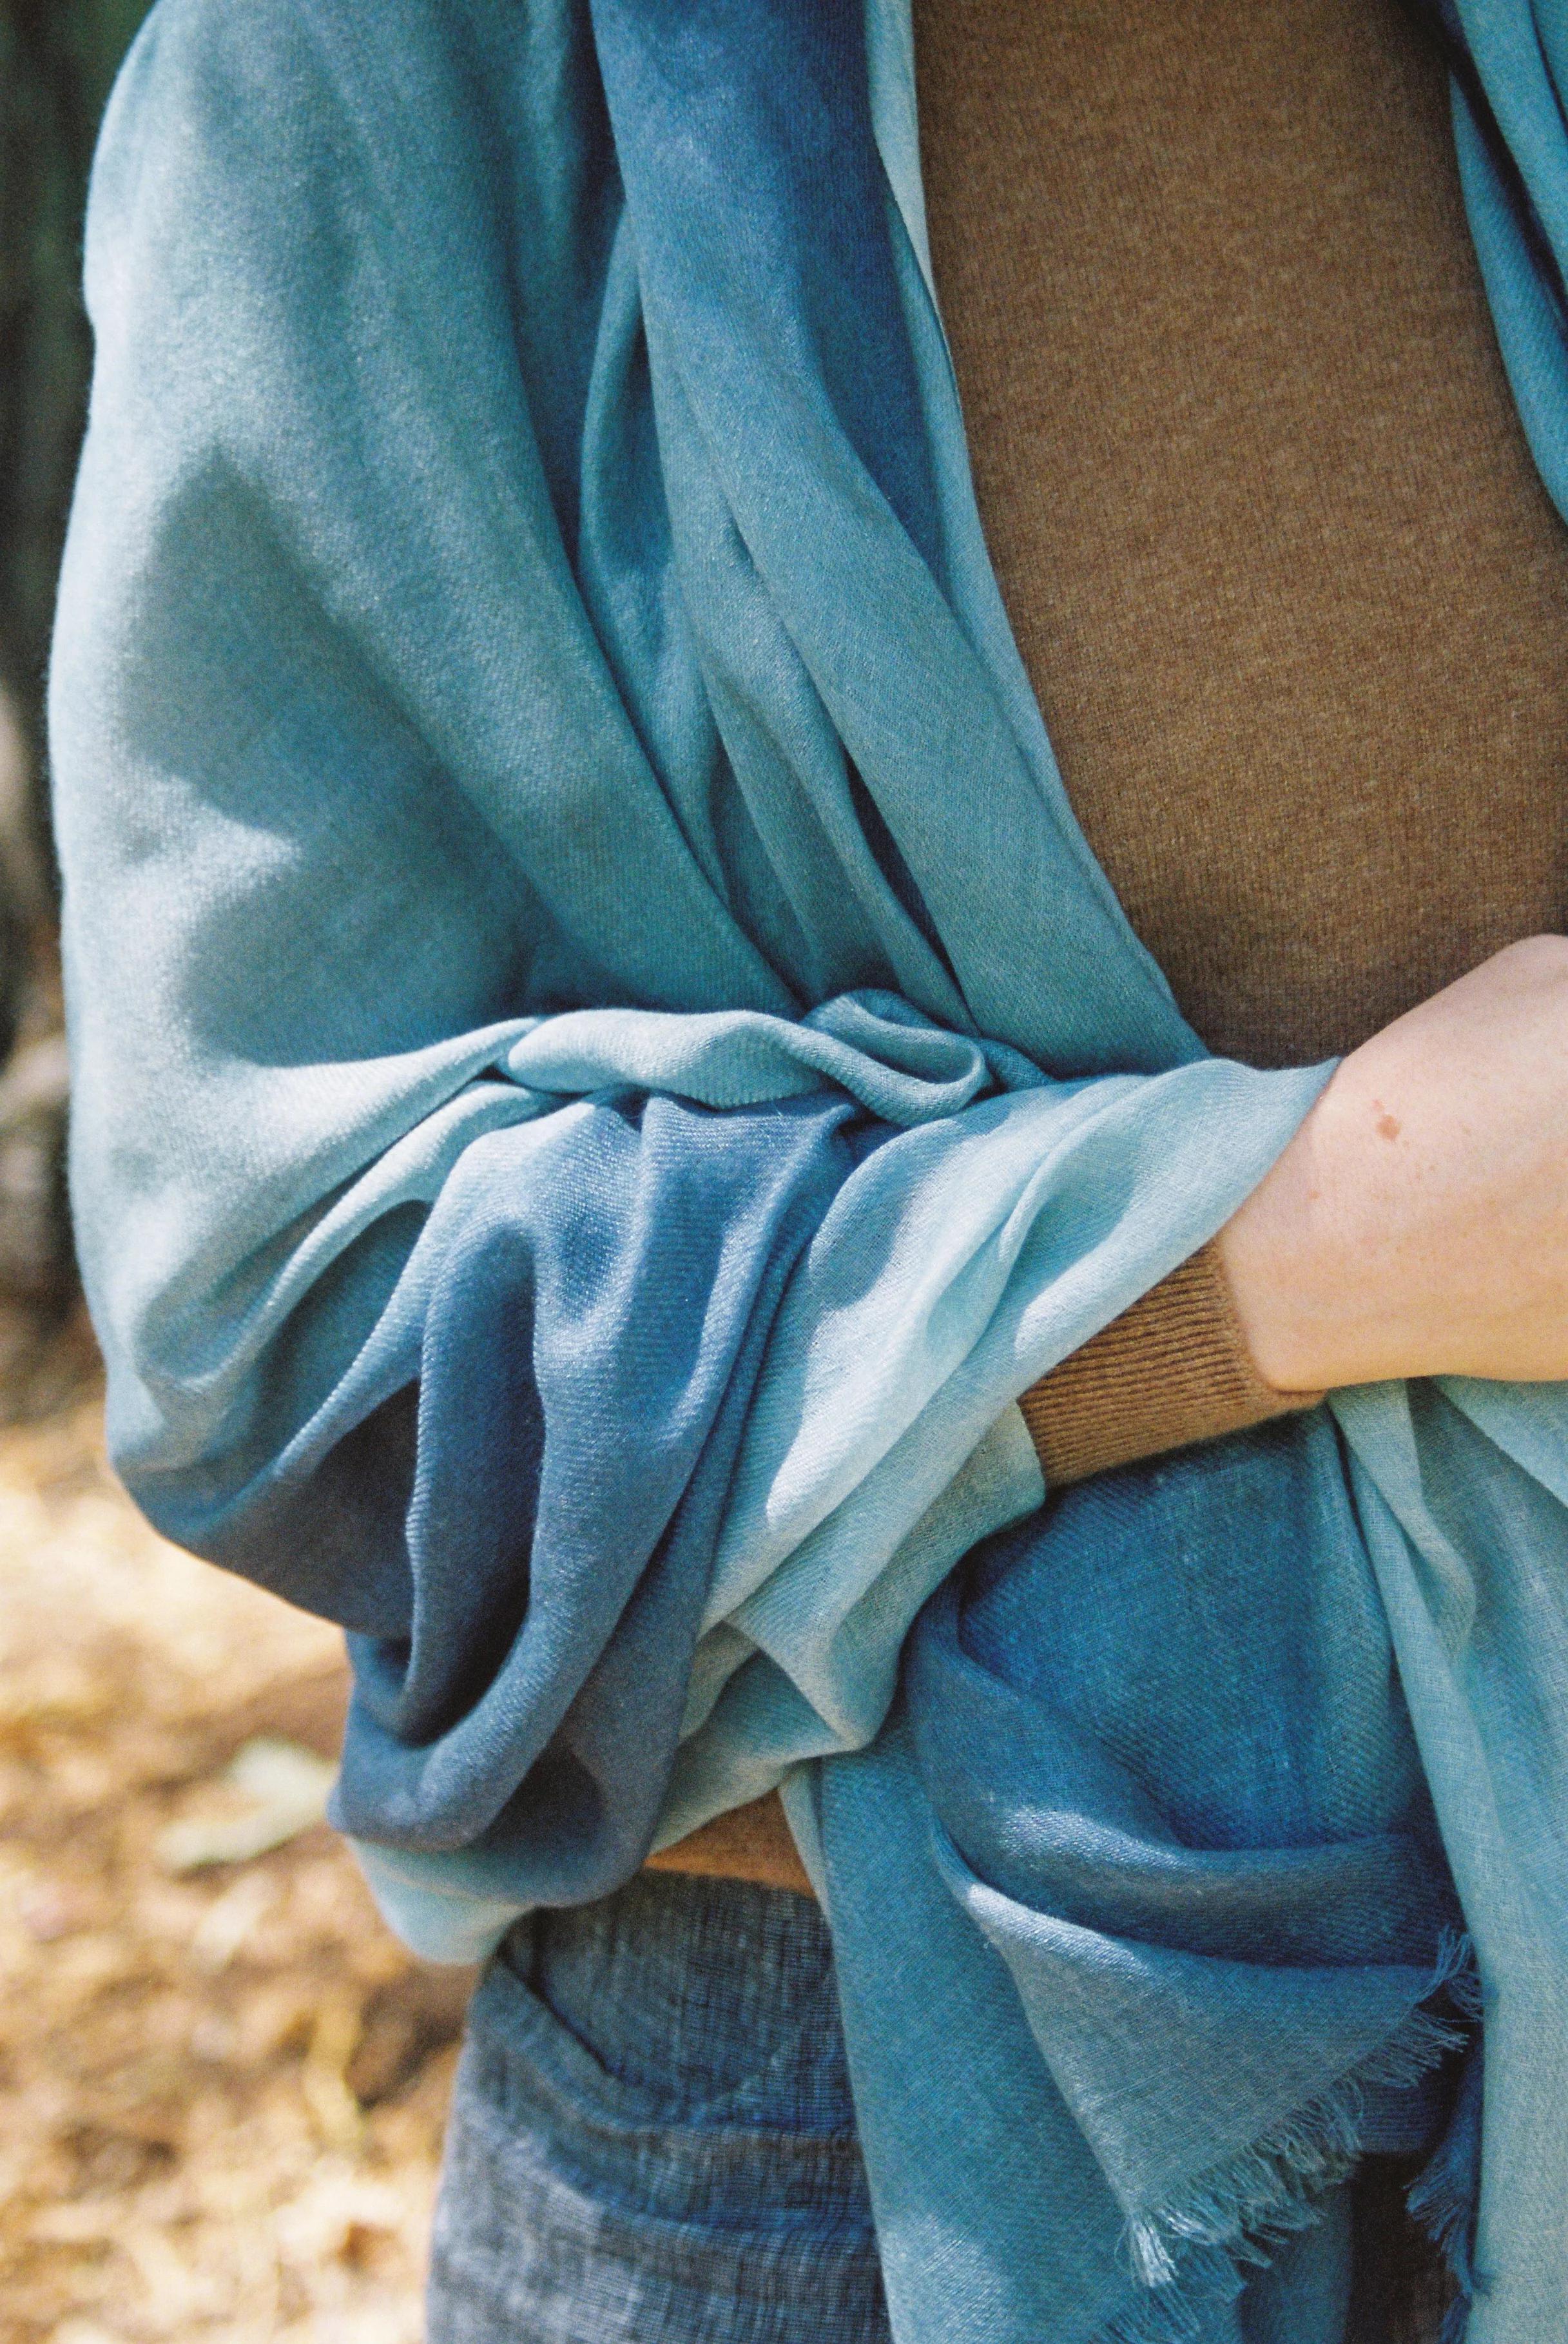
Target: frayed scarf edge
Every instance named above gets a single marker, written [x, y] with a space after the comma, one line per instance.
[1235, 2218]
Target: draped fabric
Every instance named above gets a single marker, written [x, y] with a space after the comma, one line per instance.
[604, 1065]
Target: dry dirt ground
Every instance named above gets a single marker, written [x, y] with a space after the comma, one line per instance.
[221, 2088]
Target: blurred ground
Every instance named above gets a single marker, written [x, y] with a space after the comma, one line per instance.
[221, 2088]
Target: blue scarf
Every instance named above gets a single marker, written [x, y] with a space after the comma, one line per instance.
[603, 1067]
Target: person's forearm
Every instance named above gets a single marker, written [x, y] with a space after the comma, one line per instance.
[1418, 1223]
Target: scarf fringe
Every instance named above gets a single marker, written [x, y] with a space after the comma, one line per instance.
[1443, 2199]
[1442, 2203]
[1235, 2218]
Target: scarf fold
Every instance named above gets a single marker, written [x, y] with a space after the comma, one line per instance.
[604, 1065]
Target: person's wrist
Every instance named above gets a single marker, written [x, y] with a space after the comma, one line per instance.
[1414, 1226]
[1266, 1252]
[1302, 1257]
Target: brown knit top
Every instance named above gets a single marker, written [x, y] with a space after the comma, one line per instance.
[1293, 598]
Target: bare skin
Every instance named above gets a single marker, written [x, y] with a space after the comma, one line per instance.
[1418, 1223]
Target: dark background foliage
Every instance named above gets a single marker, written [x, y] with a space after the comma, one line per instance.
[58, 59]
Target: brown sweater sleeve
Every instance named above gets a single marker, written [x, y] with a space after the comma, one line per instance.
[1173, 1370]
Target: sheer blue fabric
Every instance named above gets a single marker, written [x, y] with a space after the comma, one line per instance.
[604, 1065]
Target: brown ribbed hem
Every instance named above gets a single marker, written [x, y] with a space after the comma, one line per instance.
[751, 1842]
[1173, 1370]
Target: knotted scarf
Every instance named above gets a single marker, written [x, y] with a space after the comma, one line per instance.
[603, 1067]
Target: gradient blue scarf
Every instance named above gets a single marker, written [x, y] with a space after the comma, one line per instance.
[603, 1067]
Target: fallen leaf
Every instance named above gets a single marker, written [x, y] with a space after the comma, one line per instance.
[323, 2081]
[233, 1917]
[268, 1793]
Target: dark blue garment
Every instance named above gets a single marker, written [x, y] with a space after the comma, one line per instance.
[653, 2137]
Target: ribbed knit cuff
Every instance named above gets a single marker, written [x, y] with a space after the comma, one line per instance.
[1173, 1370]
[752, 1843]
